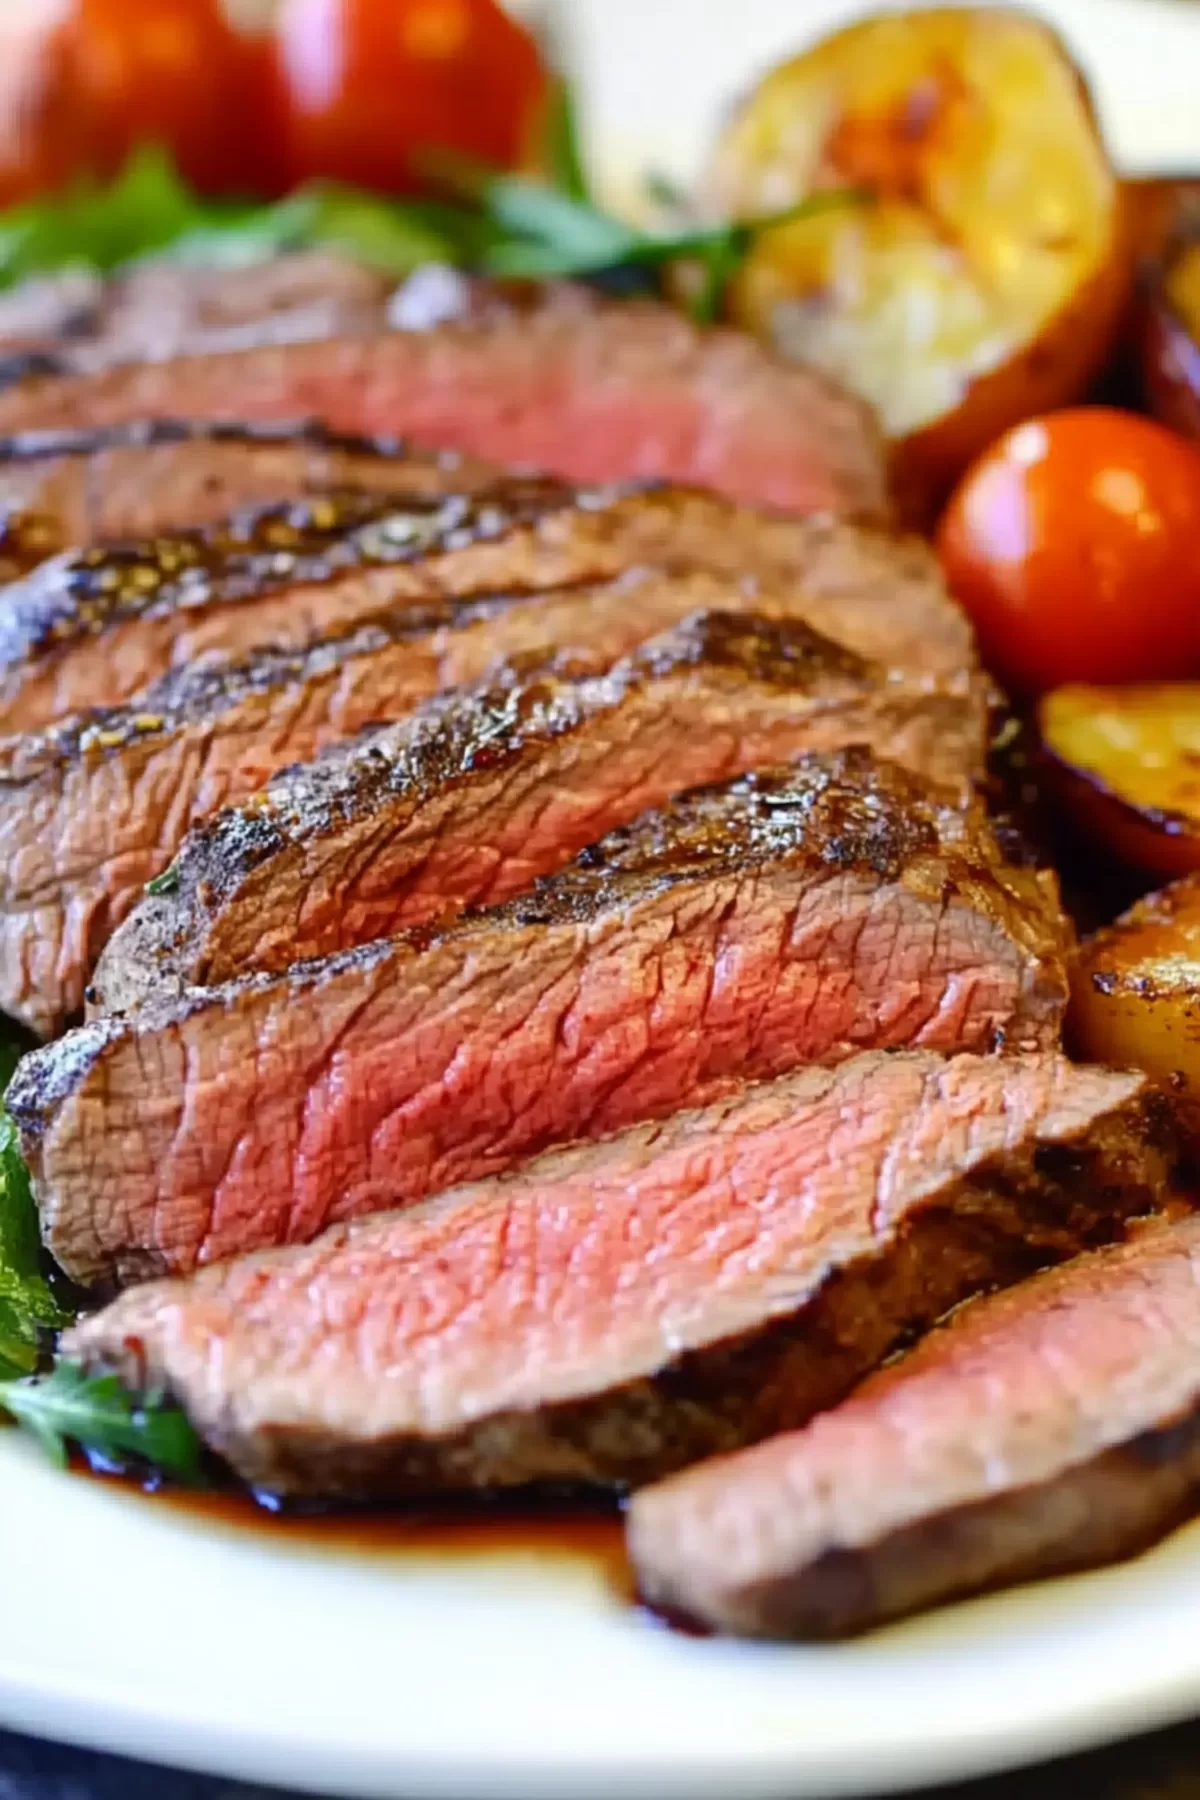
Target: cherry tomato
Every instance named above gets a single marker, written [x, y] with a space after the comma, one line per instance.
[85, 81]
[1074, 543]
[365, 83]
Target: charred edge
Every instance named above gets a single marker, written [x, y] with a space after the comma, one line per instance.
[463, 734]
[47, 1077]
[201, 691]
[267, 549]
[21, 366]
[40, 446]
[783, 652]
[846, 810]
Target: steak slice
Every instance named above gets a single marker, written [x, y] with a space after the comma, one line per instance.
[472, 798]
[1038, 1432]
[139, 480]
[93, 628]
[163, 308]
[92, 810]
[788, 917]
[594, 392]
[616, 1310]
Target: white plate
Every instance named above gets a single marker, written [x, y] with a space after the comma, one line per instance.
[129, 1625]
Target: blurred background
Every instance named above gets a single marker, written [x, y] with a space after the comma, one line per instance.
[257, 94]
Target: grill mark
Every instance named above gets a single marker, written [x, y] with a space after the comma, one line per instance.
[266, 550]
[685, 873]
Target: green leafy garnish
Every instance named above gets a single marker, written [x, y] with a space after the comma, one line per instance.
[65, 1406]
[28, 1307]
[500, 224]
[149, 210]
[166, 883]
[545, 233]
[564, 152]
[69, 1406]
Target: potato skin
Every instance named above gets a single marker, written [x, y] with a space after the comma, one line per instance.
[1159, 844]
[1053, 371]
[1135, 997]
[788, 134]
[1106, 799]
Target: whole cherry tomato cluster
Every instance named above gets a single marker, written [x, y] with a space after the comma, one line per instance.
[349, 89]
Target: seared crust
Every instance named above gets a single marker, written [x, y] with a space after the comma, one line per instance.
[297, 543]
[149, 434]
[94, 627]
[730, 872]
[94, 809]
[82, 487]
[451, 808]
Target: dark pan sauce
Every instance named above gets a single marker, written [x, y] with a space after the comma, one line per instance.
[557, 1527]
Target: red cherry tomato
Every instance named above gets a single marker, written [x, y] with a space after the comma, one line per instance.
[365, 83]
[1074, 543]
[85, 81]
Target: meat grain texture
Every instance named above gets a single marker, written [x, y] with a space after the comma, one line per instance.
[1040, 1431]
[583, 389]
[83, 487]
[95, 627]
[791, 916]
[97, 807]
[616, 1310]
[477, 794]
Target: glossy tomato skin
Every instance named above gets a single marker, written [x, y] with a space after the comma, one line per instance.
[365, 83]
[1074, 544]
[85, 81]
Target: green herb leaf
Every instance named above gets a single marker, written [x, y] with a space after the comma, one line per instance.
[530, 213]
[69, 1406]
[28, 1307]
[547, 253]
[146, 208]
[564, 151]
[166, 883]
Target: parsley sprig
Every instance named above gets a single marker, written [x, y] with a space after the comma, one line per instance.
[66, 1405]
[71, 1406]
[28, 1307]
[506, 225]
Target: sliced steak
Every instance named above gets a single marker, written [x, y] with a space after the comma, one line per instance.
[618, 1309]
[164, 308]
[471, 799]
[786, 918]
[92, 629]
[139, 480]
[595, 392]
[1038, 1432]
[93, 809]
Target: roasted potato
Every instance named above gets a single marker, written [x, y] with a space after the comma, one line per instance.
[987, 276]
[1126, 766]
[1135, 995]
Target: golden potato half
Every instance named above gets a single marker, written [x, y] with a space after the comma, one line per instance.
[1126, 762]
[1135, 995]
[988, 276]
